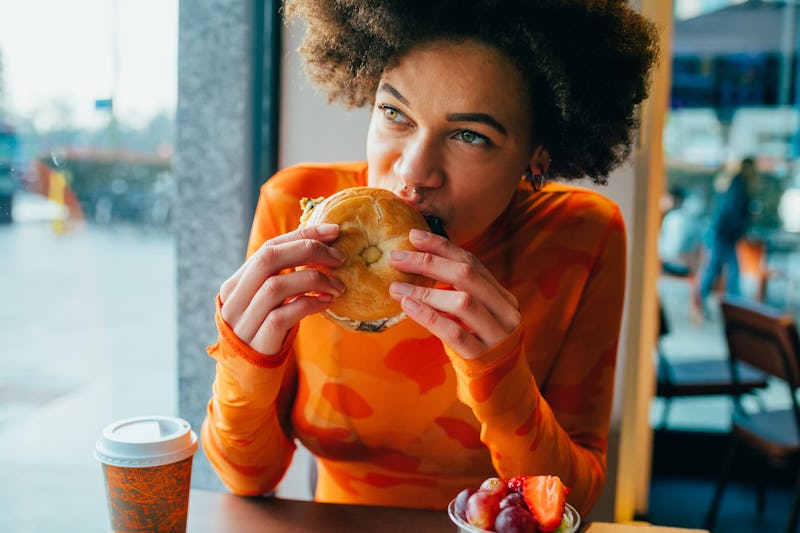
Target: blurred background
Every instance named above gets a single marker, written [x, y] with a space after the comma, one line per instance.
[90, 276]
[88, 93]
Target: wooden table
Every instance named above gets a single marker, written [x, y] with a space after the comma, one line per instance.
[218, 512]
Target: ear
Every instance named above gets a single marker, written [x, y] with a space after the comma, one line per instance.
[540, 160]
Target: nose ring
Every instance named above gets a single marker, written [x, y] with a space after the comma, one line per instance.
[414, 190]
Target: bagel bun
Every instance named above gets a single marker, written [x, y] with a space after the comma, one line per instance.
[372, 222]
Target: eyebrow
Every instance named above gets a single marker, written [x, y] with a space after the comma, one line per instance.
[394, 92]
[483, 118]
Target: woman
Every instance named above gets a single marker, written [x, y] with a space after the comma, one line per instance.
[507, 366]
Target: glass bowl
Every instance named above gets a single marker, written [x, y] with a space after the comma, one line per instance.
[570, 522]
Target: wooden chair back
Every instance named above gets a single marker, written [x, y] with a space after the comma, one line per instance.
[766, 338]
[762, 337]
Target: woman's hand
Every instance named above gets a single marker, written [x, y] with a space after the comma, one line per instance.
[477, 314]
[260, 303]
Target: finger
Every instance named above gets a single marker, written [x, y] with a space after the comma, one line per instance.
[449, 331]
[437, 245]
[470, 277]
[324, 233]
[275, 291]
[270, 260]
[229, 284]
[271, 333]
[458, 304]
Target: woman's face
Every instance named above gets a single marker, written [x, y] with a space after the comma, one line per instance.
[451, 133]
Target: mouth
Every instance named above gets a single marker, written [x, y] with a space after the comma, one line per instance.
[436, 225]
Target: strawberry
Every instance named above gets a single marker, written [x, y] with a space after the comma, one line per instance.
[546, 497]
[515, 483]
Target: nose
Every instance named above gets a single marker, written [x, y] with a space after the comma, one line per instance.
[419, 165]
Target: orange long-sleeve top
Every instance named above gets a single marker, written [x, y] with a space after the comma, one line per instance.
[397, 418]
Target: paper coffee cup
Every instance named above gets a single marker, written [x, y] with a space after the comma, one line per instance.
[147, 466]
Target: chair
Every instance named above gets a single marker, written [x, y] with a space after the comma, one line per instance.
[704, 377]
[767, 339]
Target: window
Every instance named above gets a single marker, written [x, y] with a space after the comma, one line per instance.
[87, 255]
[733, 96]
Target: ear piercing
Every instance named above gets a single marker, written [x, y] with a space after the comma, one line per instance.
[536, 180]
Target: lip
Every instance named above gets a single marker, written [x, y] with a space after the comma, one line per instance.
[435, 223]
[422, 210]
[420, 207]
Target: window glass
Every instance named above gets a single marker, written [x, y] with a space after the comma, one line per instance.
[87, 257]
[735, 95]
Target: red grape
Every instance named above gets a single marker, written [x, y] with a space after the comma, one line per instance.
[460, 505]
[515, 520]
[495, 485]
[513, 499]
[482, 509]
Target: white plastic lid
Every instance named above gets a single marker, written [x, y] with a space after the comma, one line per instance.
[146, 441]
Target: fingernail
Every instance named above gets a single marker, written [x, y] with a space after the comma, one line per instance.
[399, 255]
[338, 285]
[337, 253]
[398, 287]
[418, 234]
[411, 305]
[325, 297]
[327, 230]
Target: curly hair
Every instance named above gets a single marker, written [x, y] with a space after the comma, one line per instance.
[587, 63]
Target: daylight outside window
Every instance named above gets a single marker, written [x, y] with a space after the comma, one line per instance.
[734, 95]
[87, 260]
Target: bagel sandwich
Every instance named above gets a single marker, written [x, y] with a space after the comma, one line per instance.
[372, 222]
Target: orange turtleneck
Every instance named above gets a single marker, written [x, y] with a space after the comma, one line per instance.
[397, 418]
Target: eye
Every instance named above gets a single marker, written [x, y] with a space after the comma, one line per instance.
[470, 137]
[391, 114]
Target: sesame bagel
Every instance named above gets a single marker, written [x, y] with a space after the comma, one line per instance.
[372, 222]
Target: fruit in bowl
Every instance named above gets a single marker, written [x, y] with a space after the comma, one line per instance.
[524, 504]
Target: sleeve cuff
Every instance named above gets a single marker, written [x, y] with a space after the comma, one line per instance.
[489, 361]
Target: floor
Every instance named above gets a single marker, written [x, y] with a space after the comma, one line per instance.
[59, 384]
[683, 502]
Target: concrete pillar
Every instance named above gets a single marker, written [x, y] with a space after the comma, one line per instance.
[213, 166]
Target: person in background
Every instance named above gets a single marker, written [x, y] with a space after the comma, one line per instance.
[505, 367]
[680, 238]
[730, 221]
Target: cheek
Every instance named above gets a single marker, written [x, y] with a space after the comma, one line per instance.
[482, 188]
[379, 151]
[473, 206]
[486, 199]
[379, 164]
[371, 143]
